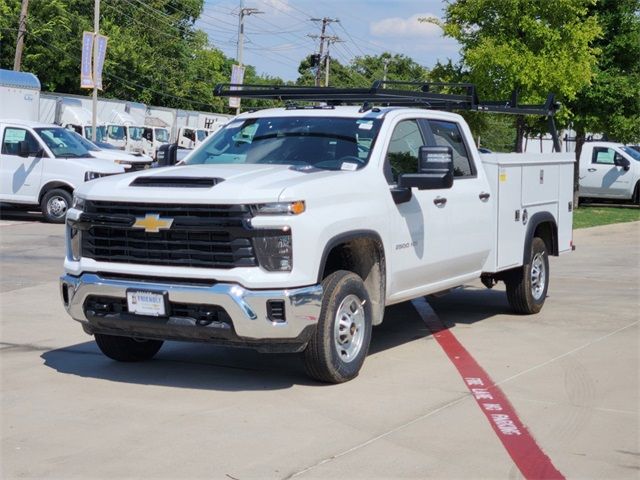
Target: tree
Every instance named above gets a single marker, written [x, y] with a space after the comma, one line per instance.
[611, 104]
[532, 46]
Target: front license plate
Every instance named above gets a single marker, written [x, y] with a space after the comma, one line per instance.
[143, 302]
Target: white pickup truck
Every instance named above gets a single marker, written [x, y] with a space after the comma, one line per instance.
[292, 228]
[41, 165]
[609, 170]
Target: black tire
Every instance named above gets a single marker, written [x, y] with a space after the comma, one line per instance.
[126, 349]
[525, 293]
[54, 205]
[636, 194]
[324, 360]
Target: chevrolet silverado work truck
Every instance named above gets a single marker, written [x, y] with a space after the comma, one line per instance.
[291, 229]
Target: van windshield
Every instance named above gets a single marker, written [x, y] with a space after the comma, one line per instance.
[330, 143]
[162, 135]
[62, 142]
[632, 152]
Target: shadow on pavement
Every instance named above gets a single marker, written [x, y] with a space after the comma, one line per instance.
[209, 367]
[21, 215]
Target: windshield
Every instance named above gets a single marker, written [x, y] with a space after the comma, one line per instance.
[116, 132]
[633, 153]
[162, 135]
[62, 142]
[135, 133]
[101, 133]
[202, 134]
[92, 147]
[330, 143]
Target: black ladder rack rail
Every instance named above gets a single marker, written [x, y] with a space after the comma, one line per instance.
[395, 93]
[378, 94]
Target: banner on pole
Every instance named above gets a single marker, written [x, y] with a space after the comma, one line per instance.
[237, 77]
[99, 53]
[86, 74]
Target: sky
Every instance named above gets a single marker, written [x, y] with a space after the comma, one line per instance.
[277, 39]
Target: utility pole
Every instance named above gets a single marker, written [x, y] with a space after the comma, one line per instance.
[327, 58]
[94, 110]
[386, 68]
[22, 30]
[243, 13]
[325, 21]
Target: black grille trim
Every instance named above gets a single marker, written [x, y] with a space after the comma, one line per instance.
[203, 236]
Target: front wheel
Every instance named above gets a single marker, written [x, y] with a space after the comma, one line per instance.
[340, 343]
[527, 286]
[126, 349]
[55, 204]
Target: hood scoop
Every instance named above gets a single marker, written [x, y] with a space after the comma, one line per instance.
[175, 182]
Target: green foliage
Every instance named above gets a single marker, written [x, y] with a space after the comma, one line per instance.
[591, 216]
[611, 104]
[537, 46]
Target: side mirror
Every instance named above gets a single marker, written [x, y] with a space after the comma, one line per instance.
[620, 161]
[435, 170]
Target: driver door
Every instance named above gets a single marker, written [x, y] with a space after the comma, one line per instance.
[603, 178]
[20, 177]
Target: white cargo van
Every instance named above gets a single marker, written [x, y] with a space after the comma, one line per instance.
[609, 170]
[41, 165]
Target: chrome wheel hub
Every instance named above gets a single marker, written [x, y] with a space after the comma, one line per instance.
[57, 206]
[538, 276]
[349, 328]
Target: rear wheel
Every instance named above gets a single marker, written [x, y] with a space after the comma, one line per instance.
[636, 194]
[126, 349]
[54, 205]
[527, 286]
[340, 343]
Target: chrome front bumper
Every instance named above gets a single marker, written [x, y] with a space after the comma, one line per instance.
[246, 308]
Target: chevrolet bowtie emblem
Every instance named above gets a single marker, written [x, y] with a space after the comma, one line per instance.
[152, 223]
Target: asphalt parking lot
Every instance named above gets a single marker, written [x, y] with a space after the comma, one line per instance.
[568, 378]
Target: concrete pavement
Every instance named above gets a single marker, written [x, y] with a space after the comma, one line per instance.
[197, 411]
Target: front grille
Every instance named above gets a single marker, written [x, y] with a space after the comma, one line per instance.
[204, 236]
[137, 166]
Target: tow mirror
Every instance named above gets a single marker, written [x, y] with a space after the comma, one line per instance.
[620, 161]
[435, 170]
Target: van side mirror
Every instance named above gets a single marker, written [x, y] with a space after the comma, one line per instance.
[435, 170]
[620, 161]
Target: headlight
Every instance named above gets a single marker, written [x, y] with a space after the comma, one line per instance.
[279, 208]
[93, 175]
[274, 252]
[124, 163]
[78, 203]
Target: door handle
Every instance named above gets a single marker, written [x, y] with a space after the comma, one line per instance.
[440, 201]
[591, 169]
[484, 196]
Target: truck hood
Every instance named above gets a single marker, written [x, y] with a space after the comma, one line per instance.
[92, 164]
[121, 155]
[230, 184]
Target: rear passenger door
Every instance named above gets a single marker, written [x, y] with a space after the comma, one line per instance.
[20, 177]
[468, 207]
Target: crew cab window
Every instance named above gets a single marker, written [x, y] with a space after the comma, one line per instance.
[447, 134]
[603, 156]
[404, 147]
[12, 139]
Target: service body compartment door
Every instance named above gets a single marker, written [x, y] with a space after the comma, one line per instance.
[511, 230]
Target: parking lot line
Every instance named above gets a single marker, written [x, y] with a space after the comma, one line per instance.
[512, 433]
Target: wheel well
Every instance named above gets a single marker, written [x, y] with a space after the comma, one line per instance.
[548, 232]
[51, 185]
[363, 256]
